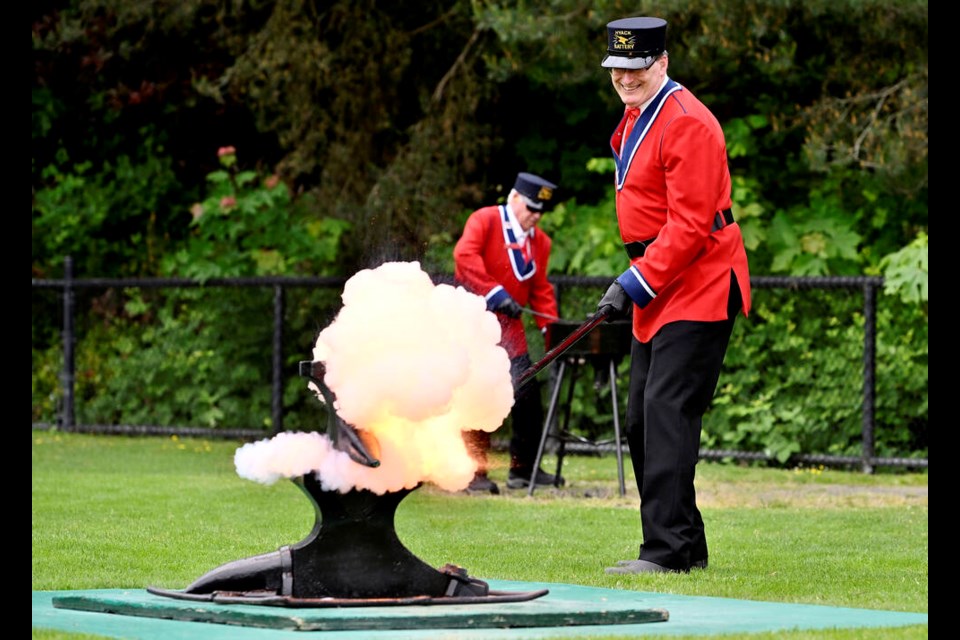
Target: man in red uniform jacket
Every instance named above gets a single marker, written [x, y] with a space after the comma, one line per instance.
[686, 283]
[503, 257]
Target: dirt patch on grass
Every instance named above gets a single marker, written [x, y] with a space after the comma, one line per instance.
[740, 495]
[811, 495]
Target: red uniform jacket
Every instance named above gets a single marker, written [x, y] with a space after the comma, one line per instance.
[489, 263]
[673, 184]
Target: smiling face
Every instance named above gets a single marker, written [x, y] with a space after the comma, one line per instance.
[636, 86]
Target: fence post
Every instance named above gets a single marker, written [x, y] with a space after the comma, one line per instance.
[277, 395]
[869, 371]
[68, 373]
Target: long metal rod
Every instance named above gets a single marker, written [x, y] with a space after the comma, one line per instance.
[68, 377]
[558, 350]
[869, 376]
[276, 402]
[542, 315]
[616, 427]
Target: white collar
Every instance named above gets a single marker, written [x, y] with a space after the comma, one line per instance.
[518, 231]
[646, 104]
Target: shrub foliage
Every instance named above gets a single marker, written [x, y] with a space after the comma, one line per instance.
[366, 131]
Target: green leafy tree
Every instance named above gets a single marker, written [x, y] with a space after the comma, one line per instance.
[387, 122]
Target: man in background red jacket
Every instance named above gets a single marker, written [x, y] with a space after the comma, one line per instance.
[503, 256]
[686, 283]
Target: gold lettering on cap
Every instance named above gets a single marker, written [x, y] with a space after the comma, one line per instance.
[545, 193]
[624, 40]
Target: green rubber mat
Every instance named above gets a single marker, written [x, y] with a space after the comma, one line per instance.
[542, 612]
[566, 611]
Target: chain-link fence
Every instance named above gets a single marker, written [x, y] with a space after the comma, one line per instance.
[790, 393]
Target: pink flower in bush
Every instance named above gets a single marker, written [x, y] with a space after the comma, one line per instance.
[228, 202]
[226, 151]
[272, 181]
[196, 211]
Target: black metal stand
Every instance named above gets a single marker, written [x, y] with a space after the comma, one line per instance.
[563, 435]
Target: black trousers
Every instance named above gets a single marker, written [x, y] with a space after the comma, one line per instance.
[526, 417]
[672, 381]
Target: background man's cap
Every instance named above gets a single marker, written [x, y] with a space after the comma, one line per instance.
[536, 192]
[634, 43]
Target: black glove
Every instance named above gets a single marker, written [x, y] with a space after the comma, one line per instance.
[509, 307]
[615, 302]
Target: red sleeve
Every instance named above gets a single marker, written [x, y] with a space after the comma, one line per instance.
[469, 266]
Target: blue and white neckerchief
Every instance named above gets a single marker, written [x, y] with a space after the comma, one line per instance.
[630, 145]
[522, 268]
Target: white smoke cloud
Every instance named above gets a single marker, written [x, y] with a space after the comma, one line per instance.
[411, 363]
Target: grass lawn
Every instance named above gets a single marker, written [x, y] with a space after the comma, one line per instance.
[130, 512]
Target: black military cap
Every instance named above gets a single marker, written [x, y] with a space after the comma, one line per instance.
[634, 43]
[536, 191]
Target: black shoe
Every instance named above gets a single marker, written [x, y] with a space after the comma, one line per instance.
[696, 564]
[521, 479]
[640, 566]
[482, 484]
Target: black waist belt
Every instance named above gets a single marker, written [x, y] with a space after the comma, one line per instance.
[722, 219]
[637, 248]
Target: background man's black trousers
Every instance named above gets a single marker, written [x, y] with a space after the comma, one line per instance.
[526, 418]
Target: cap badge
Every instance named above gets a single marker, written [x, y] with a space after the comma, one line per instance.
[625, 40]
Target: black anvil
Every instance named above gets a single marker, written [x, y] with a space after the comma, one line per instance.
[352, 556]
